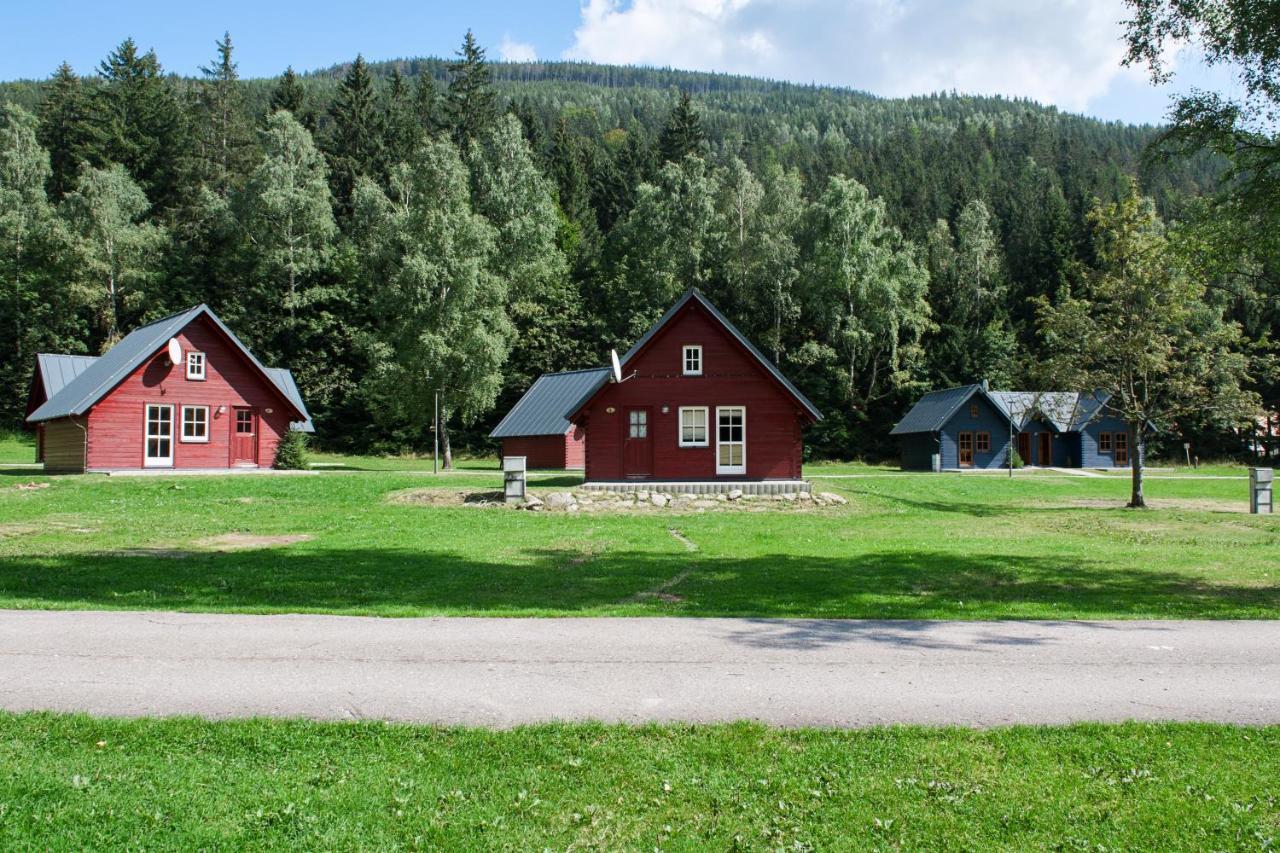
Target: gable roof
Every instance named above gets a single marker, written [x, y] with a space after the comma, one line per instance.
[1065, 411]
[545, 407]
[693, 294]
[283, 379]
[107, 371]
[932, 411]
[58, 369]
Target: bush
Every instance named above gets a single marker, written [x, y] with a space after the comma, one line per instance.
[291, 452]
[1015, 459]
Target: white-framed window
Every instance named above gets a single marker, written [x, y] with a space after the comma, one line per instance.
[693, 426]
[731, 440]
[692, 360]
[195, 424]
[158, 440]
[195, 365]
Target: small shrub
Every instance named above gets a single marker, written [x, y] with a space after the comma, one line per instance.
[1015, 459]
[291, 453]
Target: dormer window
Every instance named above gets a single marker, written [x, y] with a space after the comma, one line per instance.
[692, 360]
[195, 365]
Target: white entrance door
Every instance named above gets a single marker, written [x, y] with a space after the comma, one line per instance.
[158, 450]
[731, 440]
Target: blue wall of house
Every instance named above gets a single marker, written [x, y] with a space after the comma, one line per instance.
[1090, 456]
[918, 449]
[1065, 447]
[989, 420]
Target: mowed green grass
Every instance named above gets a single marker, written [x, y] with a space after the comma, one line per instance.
[72, 782]
[906, 546]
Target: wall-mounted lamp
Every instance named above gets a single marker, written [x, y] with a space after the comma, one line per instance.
[221, 409]
[610, 410]
[666, 410]
[269, 411]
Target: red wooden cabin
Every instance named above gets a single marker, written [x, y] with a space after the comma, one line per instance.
[538, 428]
[133, 407]
[697, 402]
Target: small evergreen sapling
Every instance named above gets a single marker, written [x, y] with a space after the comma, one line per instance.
[291, 452]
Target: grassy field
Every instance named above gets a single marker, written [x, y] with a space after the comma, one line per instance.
[906, 546]
[189, 784]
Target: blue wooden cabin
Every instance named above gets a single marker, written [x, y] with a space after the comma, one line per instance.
[972, 427]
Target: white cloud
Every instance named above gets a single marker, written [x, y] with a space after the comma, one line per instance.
[510, 50]
[1063, 52]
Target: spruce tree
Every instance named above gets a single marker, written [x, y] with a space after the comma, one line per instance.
[470, 102]
[65, 131]
[426, 103]
[682, 135]
[139, 123]
[356, 147]
[288, 95]
[225, 144]
[403, 129]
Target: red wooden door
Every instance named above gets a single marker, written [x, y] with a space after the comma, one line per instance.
[244, 440]
[1024, 447]
[637, 446]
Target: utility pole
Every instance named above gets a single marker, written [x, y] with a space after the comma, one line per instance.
[435, 431]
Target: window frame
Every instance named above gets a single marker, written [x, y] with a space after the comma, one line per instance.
[685, 350]
[182, 424]
[149, 461]
[1104, 442]
[204, 366]
[739, 470]
[637, 423]
[706, 427]
[982, 442]
[973, 410]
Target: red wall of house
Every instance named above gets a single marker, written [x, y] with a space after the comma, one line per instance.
[116, 427]
[731, 376]
[566, 451]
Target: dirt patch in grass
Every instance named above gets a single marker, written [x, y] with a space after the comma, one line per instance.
[246, 541]
[444, 497]
[26, 528]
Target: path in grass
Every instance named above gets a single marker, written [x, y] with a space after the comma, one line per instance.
[906, 546]
[80, 783]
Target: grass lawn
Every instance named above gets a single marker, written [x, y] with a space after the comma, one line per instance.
[73, 782]
[16, 447]
[906, 546]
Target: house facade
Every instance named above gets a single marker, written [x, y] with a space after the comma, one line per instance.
[974, 427]
[697, 402]
[215, 407]
[538, 427]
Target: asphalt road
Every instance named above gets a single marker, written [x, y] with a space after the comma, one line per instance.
[503, 672]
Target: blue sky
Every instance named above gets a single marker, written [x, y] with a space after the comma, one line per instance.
[1063, 52]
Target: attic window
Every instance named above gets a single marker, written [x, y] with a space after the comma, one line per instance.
[973, 410]
[195, 365]
[693, 360]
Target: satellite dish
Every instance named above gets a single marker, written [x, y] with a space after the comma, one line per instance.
[617, 365]
[175, 351]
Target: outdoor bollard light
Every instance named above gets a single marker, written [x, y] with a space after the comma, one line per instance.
[1260, 496]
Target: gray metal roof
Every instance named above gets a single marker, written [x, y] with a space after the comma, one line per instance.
[285, 382]
[545, 407]
[107, 371]
[695, 294]
[58, 369]
[1065, 411]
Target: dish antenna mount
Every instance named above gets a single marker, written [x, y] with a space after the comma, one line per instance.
[175, 351]
[617, 367]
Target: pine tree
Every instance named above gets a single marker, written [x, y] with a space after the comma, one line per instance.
[139, 123]
[290, 96]
[65, 131]
[356, 147]
[426, 104]
[404, 130]
[682, 135]
[224, 137]
[470, 102]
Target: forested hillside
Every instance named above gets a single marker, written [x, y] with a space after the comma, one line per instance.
[395, 229]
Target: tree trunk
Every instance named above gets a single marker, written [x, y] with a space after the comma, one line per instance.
[1137, 461]
[445, 449]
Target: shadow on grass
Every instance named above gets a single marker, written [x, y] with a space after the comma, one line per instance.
[908, 584]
